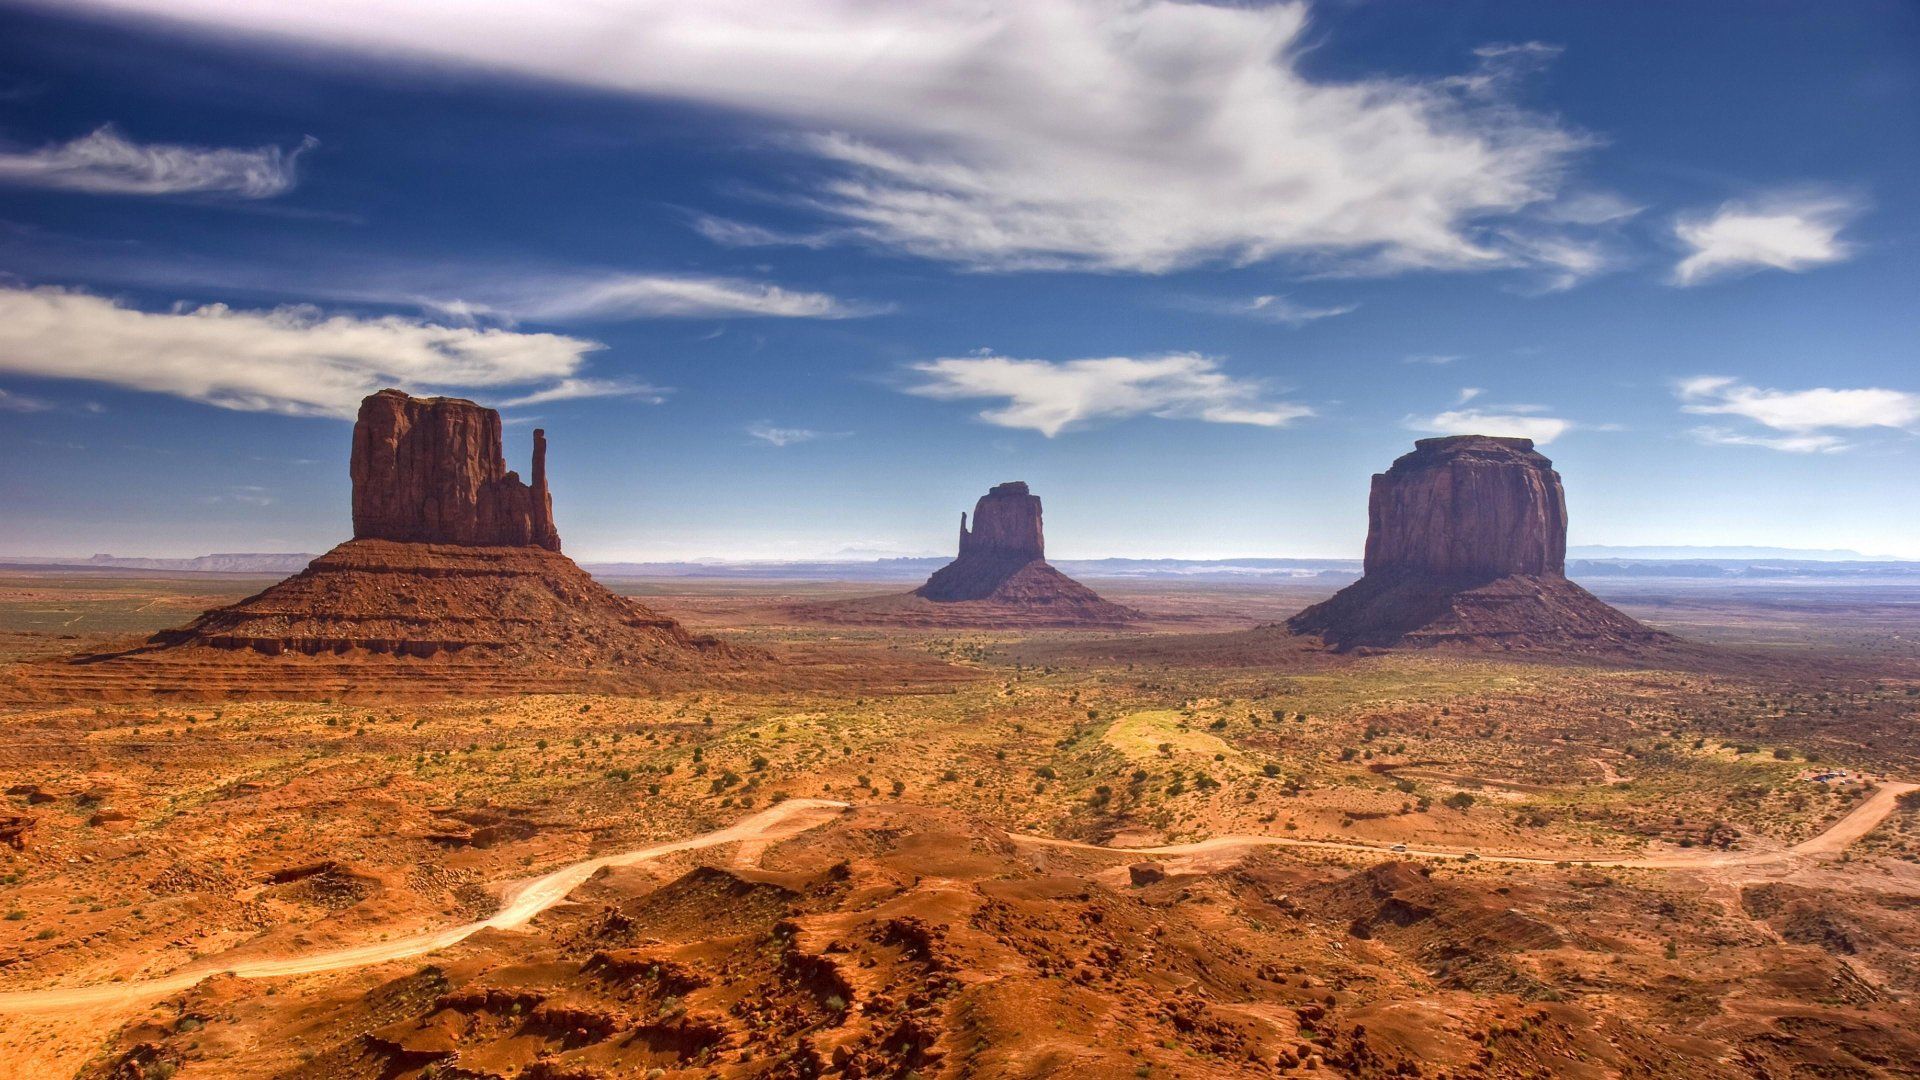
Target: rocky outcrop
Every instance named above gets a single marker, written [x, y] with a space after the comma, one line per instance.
[1468, 507]
[14, 829]
[454, 584]
[1000, 579]
[1466, 545]
[430, 470]
[1006, 538]
[1006, 525]
[1003, 562]
[384, 598]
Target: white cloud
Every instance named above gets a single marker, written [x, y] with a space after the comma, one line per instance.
[1142, 135]
[784, 436]
[1273, 308]
[1782, 232]
[572, 389]
[1803, 414]
[294, 360]
[12, 402]
[472, 294]
[108, 163]
[1434, 359]
[677, 296]
[1793, 444]
[1518, 421]
[1054, 396]
[1591, 208]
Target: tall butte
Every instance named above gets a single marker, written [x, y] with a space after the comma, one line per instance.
[1467, 545]
[429, 470]
[453, 583]
[1003, 563]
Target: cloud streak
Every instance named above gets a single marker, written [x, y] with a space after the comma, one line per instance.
[1807, 417]
[1792, 232]
[1272, 308]
[1513, 421]
[1054, 396]
[786, 436]
[574, 389]
[679, 296]
[1128, 135]
[106, 162]
[293, 360]
[21, 403]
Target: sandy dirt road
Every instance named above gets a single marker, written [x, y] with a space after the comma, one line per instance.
[1860, 821]
[523, 900]
[520, 902]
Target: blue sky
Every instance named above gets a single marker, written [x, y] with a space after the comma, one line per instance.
[804, 280]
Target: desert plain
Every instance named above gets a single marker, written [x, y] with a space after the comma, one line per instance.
[1182, 848]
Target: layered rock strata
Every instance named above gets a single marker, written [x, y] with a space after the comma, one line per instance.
[430, 470]
[1003, 561]
[454, 560]
[1466, 545]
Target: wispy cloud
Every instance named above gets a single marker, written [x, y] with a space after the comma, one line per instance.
[677, 296]
[1788, 231]
[21, 403]
[1145, 136]
[573, 389]
[1055, 396]
[1270, 308]
[1517, 421]
[463, 293]
[243, 494]
[294, 360]
[1808, 417]
[1811, 443]
[1435, 359]
[106, 162]
[787, 436]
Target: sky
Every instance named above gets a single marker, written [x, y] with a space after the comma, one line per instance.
[803, 280]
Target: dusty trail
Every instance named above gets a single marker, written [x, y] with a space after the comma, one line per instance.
[521, 902]
[1860, 821]
[526, 899]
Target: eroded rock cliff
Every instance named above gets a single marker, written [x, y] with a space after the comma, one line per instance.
[430, 470]
[1471, 506]
[453, 584]
[1002, 562]
[1466, 545]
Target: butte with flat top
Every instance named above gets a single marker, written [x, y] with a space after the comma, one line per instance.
[1467, 546]
[1000, 578]
[453, 584]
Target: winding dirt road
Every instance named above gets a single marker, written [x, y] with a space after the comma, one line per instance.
[1860, 821]
[520, 902]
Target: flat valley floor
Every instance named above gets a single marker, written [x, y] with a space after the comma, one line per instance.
[984, 854]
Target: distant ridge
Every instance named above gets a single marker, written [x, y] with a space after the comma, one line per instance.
[1585, 561]
[1720, 551]
[223, 563]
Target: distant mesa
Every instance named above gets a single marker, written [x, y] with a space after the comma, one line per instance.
[1467, 545]
[1001, 577]
[453, 583]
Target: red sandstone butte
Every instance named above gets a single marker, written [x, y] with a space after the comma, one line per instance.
[1467, 544]
[453, 585]
[1002, 561]
[430, 470]
[1470, 506]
